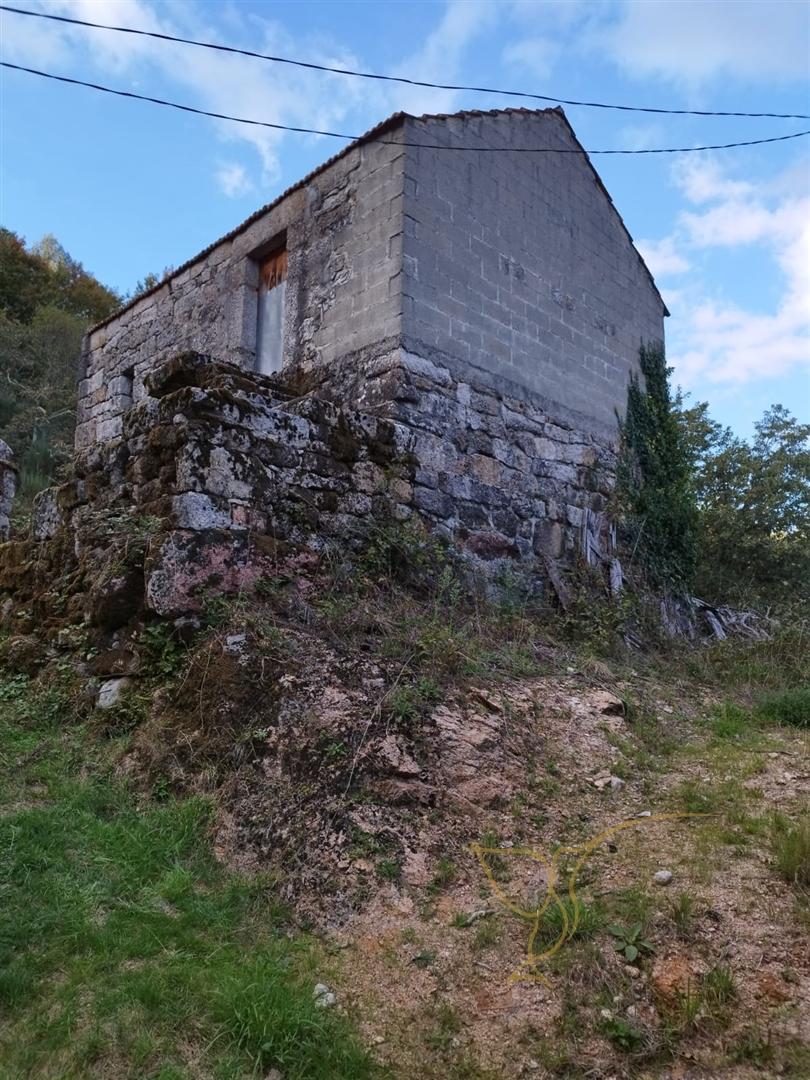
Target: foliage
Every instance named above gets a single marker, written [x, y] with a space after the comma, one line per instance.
[125, 948]
[630, 941]
[754, 506]
[655, 488]
[780, 662]
[790, 706]
[47, 300]
[623, 1034]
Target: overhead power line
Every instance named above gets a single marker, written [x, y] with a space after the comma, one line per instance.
[393, 78]
[392, 142]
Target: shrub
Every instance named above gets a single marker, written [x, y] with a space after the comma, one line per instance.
[787, 707]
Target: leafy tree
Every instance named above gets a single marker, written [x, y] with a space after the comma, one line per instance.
[23, 278]
[47, 300]
[70, 287]
[147, 283]
[655, 488]
[754, 506]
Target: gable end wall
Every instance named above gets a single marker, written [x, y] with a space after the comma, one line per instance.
[518, 272]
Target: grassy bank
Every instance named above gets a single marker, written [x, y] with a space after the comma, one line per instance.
[125, 949]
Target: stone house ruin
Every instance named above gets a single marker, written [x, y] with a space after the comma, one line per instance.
[412, 329]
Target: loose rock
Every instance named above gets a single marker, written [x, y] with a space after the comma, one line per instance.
[110, 692]
[324, 998]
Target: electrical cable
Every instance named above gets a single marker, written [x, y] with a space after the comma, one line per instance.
[392, 142]
[393, 78]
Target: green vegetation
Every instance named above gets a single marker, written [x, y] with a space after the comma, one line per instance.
[47, 300]
[708, 511]
[623, 1034]
[787, 707]
[630, 942]
[125, 949]
[754, 507]
[791, 850]
[655, 484]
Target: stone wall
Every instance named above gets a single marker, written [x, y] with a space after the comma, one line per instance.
[501, 477]
[8, 488]
[517, 270]
[222, 476]
[343, 229]
[219, 476]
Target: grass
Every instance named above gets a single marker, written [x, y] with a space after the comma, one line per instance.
[791, 707]
[125, 949]
[682, 913]
[790, 845]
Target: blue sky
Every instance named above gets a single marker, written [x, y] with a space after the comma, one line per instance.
[130, 188]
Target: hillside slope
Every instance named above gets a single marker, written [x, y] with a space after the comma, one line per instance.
[290, 791]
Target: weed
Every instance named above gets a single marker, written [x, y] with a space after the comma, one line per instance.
[790, 844]
[630, 942]
[424, 959]
[486, 935]
[124, 716]
[623, 1034]
[752, 1048]
[389, 869]
[406, 552]
[719, 988]
[631, 905]
[730, 722]
[164, 653]
[409, 701]
[12, 687]
[445, 874]
[555, 923]
[779, 662]
[335, 749]
[682, 913]
[445, 1026]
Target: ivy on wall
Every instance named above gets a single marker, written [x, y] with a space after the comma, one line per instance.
[654, 484]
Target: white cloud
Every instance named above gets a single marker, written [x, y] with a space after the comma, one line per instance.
[440, 57]
[662, 257]
[536, 55]
[713, 338]
[692, 41]
[702, 179]
[253, 89]
[233, 180]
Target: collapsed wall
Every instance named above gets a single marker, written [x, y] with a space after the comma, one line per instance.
[221, 474]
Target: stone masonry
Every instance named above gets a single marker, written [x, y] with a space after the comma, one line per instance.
[460, 327]
[221, 476]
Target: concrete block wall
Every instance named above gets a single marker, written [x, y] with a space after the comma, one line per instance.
[343, 231]
[517, 271]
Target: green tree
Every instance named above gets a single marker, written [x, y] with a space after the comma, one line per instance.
[655, 489]
[754, 506]
[47, 300]
[23, 278]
